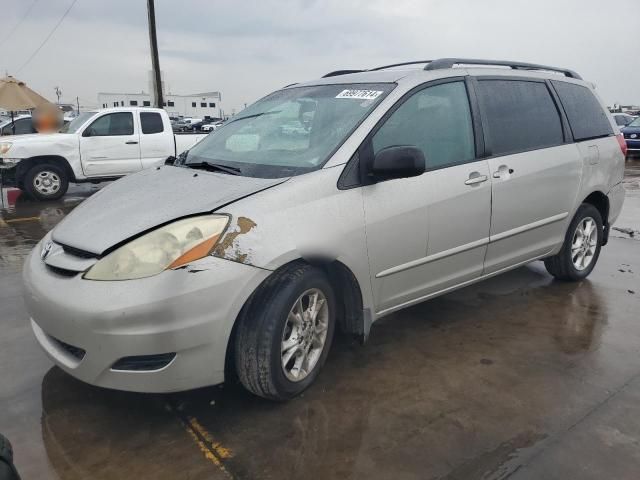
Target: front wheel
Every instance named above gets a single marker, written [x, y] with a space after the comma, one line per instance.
[581, 247]
[45, 181]
[284, 337]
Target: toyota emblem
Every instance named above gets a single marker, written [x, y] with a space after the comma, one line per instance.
[634, 135]
[45, 250]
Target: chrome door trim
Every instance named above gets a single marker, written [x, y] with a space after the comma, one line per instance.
[431, 258]
[400, 306]
[528, 226]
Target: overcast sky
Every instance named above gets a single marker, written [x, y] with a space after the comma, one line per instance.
[247, 49]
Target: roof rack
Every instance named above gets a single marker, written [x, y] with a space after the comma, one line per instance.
[398, 65]
[442, 63]
[341, 72]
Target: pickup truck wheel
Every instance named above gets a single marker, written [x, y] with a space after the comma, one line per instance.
[45, 181]
[284, 336]
[581, 247]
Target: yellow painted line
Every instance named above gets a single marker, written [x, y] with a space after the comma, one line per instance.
[23, 219]
[212, 450]
[221, 451]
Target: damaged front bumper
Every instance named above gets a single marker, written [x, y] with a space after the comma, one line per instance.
[110, 333]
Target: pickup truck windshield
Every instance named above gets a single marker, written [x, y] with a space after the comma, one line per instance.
[76, 123]
[289, 132]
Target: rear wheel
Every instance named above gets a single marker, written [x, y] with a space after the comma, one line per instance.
[284, 337]
[581, 247]
[45, 181]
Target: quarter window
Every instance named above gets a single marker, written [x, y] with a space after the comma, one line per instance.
[151, 122]
[519, 116]
[586, 115]
[112, 124]
[437, 120]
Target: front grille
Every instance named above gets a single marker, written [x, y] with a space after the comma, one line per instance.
[76, 352]
[62, 271]
[140, 363]
[77, 252]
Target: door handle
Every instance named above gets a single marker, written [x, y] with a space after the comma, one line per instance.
[131, 142]
[475, 178]
[502, 169]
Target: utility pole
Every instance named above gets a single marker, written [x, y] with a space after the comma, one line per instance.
[58, 93]
[155, 61]
[78, 105]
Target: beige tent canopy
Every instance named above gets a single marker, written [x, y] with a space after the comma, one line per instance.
[15, 95]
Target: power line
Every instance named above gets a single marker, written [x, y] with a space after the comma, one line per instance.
[22, 19]
[48, 36]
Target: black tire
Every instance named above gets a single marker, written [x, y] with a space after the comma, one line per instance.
[41, 193]
[561, 265]
[259, 336]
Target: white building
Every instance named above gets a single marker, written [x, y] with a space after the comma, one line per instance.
[197, 105]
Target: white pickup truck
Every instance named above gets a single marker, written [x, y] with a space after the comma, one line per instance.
[95, 146]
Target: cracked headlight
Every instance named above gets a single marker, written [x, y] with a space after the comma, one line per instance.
[171, 246]
[5, 147]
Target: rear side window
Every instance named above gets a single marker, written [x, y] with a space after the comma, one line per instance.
[519, 116]
[586, 116]
[151, 122]
[437, 120]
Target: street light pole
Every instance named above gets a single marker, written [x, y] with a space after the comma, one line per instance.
[155, 61]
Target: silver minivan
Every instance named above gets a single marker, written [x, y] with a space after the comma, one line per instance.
[327, 204]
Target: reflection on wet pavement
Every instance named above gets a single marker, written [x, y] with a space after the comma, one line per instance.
[518, 377]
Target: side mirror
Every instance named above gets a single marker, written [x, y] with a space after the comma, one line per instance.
[170, 160]
[398, 162]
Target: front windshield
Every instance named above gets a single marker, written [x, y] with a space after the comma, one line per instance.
[635, 123]
[291, 131]
[76, 123]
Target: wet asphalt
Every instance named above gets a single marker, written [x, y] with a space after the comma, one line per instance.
[518, 377]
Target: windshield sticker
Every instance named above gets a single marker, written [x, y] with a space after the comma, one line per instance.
[359, 94]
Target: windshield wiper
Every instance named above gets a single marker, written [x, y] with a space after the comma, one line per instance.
[216, 167]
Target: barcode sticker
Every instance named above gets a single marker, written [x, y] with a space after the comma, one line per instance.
[359, 94]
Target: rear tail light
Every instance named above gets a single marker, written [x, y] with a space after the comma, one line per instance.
[622, 143]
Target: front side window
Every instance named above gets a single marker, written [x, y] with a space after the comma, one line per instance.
[437, 120]
[291, 131]
[112, 124]
[586, 116]
[151, 122]
[519, 116]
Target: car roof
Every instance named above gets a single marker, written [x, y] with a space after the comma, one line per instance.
[416, 72]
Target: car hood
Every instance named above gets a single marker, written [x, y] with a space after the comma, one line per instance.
[147, 199]
[630, 129]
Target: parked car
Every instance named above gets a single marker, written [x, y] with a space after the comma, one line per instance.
[631, 135]
[209, 127]
[195, 126]
[95, 146]
[22, 125]
[248, 253]
[623, 119]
